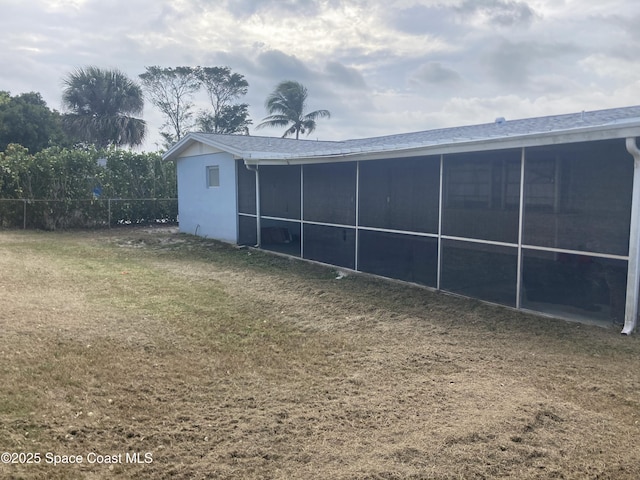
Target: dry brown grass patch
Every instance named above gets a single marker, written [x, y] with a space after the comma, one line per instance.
[230, 363]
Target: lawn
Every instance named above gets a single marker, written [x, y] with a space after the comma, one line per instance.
[144, 353]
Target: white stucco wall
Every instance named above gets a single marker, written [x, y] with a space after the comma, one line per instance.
[207, 211]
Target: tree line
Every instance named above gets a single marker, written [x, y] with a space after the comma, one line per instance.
[171, 90]
[103, 108]
[77, 155]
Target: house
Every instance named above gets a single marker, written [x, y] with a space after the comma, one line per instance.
[539, 214]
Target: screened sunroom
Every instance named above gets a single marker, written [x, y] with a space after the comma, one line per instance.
[533, 214]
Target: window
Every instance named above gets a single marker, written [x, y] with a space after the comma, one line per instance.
[213, 176]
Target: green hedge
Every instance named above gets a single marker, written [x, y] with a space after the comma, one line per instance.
[67, 188]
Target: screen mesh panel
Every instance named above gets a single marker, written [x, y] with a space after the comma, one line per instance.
[280, 236]
[487, 272]
[574, 285]
[482, 195]
[400, 194]
[246, 189]
[247, 233]
[578, 197]
[405, 257]
[330, 193]
[280, 191]
[333, 245]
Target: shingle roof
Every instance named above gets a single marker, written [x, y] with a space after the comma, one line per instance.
[250, 147]
[268, 145]
[505, 128]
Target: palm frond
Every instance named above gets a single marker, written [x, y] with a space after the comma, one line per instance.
[101, 106]
[286, 106]
[274, 121]
[318, 114]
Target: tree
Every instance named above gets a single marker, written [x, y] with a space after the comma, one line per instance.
[223, 88]
[232, 119]
[286, 106]
[26, 120]
[171, 91]
[102, 104]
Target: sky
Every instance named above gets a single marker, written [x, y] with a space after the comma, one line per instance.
[379, 66]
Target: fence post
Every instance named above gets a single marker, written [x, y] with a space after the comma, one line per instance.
[24, 214]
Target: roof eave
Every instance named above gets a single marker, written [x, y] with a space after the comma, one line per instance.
[607, 132]
[189, 139]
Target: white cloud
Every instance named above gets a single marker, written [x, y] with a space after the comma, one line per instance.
[610, 68]
[379, 66]
[435, 73]
[501, 13]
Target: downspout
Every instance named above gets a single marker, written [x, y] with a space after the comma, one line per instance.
[633, 273]
[258, 228]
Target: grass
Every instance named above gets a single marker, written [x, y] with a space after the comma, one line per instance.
[231, 363]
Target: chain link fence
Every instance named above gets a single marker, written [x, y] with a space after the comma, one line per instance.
[97, 213]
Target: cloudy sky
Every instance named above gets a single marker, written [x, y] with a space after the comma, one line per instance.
[379, 66]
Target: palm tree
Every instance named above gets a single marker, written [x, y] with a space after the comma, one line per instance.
[286, 105]
[101, 106]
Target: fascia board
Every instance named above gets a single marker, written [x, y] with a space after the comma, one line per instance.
[188, 140]
[614, 131]
[221, 146]
[174, 152]
[621, 129]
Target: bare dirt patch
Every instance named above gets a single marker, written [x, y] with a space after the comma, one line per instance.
[231, 363]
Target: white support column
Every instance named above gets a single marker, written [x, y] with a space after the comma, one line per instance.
[633, 275]
[440, 208]
[357, 215]
[301, 211]
[258, 227]
[520, 230]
